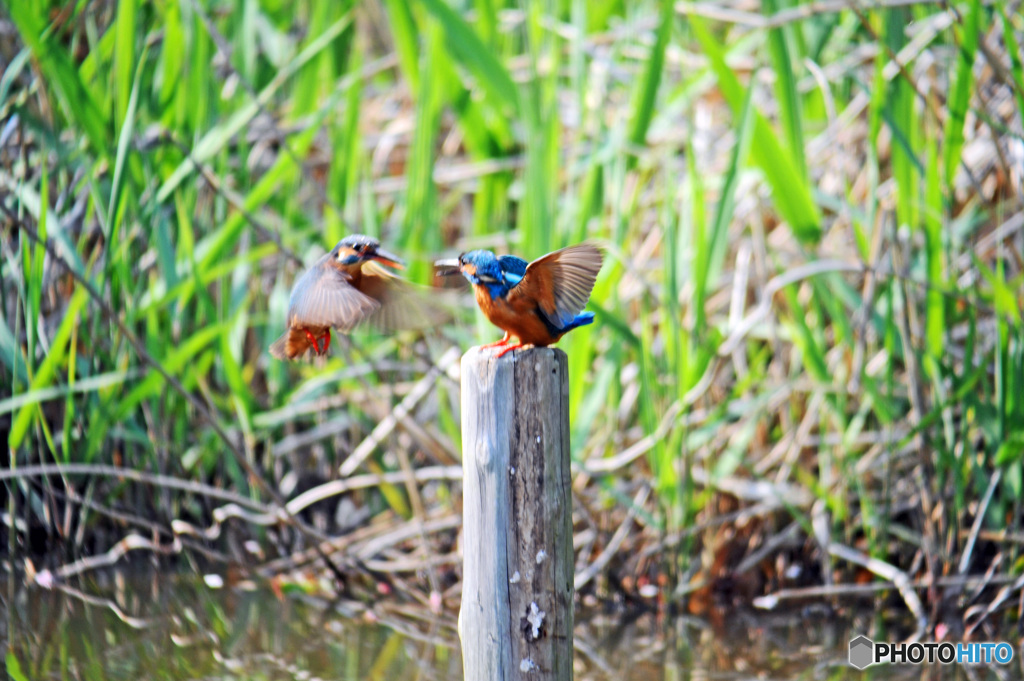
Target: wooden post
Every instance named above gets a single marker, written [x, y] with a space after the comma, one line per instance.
[517, 592]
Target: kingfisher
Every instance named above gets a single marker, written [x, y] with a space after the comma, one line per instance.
[343, 288]
[537, 302]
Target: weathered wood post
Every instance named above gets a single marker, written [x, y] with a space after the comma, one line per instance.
[517, 594]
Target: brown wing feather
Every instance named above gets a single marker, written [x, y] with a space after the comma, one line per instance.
[324, 297]
[561, 281]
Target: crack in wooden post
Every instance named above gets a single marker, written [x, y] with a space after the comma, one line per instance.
[517, 597]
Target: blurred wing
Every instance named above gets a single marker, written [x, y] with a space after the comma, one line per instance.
[279, 347]
[404, 305]
[324, 297]
[562, 281]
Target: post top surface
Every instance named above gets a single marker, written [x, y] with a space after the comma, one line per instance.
[476, 353]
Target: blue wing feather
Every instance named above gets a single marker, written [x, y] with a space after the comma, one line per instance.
[512, 269]
[513, 264]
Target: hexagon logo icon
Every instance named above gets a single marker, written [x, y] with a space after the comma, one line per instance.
[862, 652]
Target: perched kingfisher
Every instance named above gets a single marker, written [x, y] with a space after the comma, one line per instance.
[342, 289]
[537, 303]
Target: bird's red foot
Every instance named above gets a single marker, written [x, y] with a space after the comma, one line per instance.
[514, 346]
[315, 342]
[498, 343]
[312, 340]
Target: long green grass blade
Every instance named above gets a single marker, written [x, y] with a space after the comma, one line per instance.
[790, 192]
[1016, 61]
[61, 72]
[961, 95]
[406, 37]
[82, 385]
[171, 60]
[711, 249]
[465, 45]
[487, 20]
[784, 63]
[217, 138]
[47, 371]
[935, 256]
[646, 94]
[12, 71]
[419, 228]
[124, 59]
[124, 145]
[174, 362]
[14, 667]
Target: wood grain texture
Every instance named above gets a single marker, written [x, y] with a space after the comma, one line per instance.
[517, 596]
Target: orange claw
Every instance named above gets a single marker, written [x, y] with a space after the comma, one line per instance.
[498, 343]
[514, 346]
[327, 342]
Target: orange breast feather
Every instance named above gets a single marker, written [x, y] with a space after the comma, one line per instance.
[516, 314]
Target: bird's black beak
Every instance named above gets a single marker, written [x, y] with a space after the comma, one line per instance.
[448, 267]
[389, 259]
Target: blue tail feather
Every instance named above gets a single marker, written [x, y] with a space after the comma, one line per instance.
[582, 319]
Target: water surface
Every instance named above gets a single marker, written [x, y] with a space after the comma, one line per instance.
[178, 627]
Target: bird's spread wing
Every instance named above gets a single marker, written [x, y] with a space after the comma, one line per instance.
[562, 281]
[323, 296]
[403, 305]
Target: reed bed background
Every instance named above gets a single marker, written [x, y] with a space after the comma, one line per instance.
[806, 376]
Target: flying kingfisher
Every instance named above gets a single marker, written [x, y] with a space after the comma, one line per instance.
[345, 287]
[537, 303]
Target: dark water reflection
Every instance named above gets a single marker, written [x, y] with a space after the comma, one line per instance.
[162, 627]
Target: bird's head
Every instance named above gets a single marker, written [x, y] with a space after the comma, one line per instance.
[358, 248]
[481, 268]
